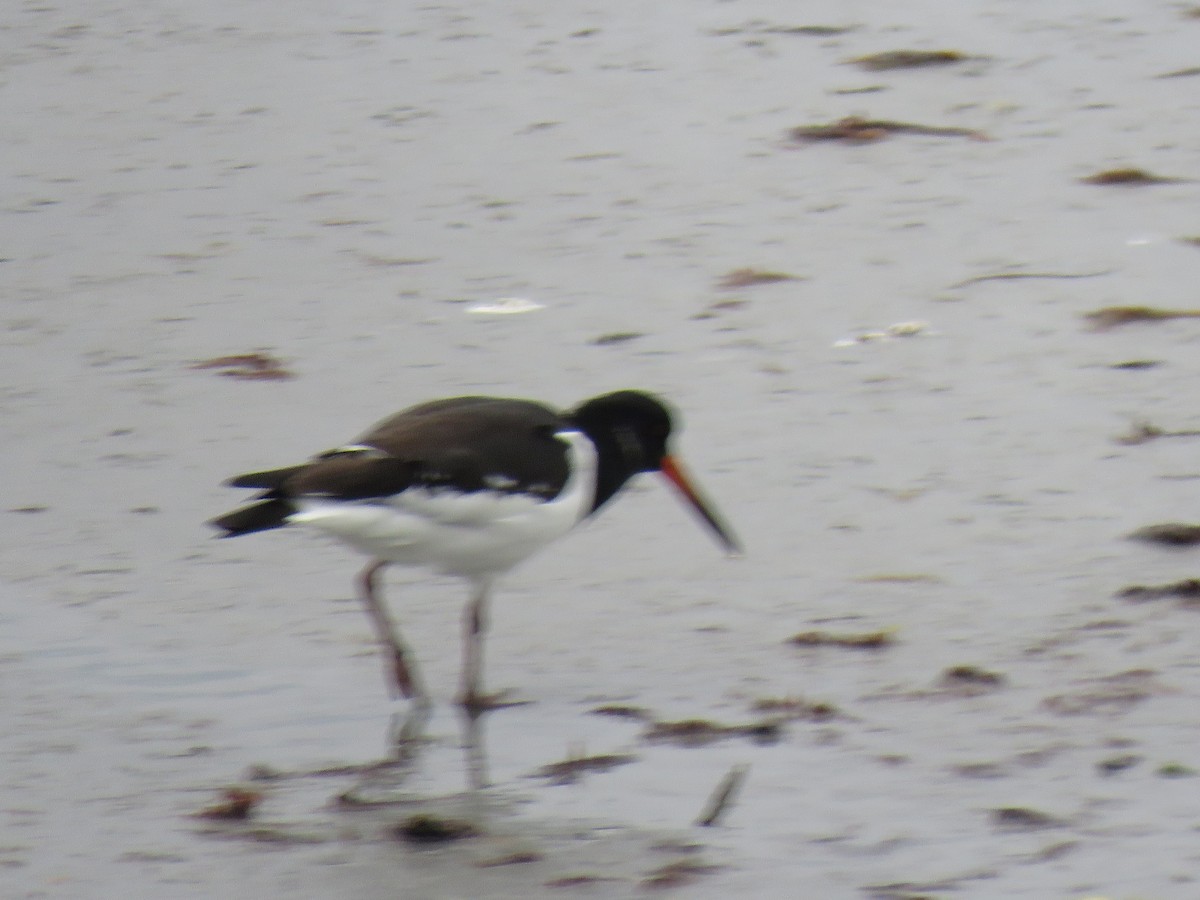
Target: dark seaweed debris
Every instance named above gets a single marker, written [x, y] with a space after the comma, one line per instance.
[257, 366]
[679, 873]
[700, 732]
[1129, 175]
[569, 770]
[621, 711]
[748, 277]
[908, 59]
[1112, 316]
[968, 679]
[871, 640]
[796, 708]
[858, 130]
[1187, 590]
[1020, 818]
[1143, 432]
[616, 337]
[759, 27]
[1170, 534]
[1112, 694]
[236, 805]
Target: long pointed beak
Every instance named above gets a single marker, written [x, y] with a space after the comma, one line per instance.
[670, 467]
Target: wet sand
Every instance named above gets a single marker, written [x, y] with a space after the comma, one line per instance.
[339, 188]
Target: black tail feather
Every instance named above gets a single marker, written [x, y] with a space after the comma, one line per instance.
[261, 516]
[268, 480]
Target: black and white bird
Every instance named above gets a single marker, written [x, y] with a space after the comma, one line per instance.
[469, 486]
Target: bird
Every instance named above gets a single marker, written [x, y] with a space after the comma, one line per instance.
[468, 486]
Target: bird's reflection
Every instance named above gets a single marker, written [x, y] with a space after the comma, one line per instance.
[407, 741]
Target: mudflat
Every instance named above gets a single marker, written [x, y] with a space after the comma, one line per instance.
[920, 279]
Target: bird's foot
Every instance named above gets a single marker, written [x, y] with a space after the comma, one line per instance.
[406, 734]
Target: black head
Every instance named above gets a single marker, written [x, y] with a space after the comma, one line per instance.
[631, 430]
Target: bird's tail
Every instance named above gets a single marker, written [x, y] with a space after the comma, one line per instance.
[261, 516]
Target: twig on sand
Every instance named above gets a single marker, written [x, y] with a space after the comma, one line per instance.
[722, 798]
[1012, 276]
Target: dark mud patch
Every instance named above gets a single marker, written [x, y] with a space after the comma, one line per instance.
[257, 366]
[426, 828]
[1169, 534]
[860, 130]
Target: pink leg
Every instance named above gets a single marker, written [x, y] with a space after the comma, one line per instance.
[404, 678]
[475, 626]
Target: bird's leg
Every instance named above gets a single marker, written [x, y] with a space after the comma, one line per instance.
[404, 677]
[475, 626]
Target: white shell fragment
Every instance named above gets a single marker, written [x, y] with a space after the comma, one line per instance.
[504, 306]
[896, 330]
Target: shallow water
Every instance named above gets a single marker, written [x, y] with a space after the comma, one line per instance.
[340, 187]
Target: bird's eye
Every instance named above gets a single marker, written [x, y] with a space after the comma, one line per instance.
[631, 447]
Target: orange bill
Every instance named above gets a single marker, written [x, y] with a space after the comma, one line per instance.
[670, 467]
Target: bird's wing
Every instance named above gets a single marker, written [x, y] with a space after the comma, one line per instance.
[464, 443]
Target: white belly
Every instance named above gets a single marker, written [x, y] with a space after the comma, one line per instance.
[481, 533]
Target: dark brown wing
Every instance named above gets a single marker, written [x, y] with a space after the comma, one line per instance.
[465, 443]
[476, 443]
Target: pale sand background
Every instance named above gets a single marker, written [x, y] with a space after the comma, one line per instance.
[337, 182]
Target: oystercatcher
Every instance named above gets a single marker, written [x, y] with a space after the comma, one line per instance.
[469, 486]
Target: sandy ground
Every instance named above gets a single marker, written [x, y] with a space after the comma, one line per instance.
[339, 184]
